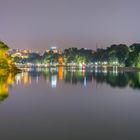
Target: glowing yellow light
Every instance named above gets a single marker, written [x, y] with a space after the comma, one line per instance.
[60, 73]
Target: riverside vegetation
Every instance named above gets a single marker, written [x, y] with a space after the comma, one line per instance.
[6, 63]
[8, 70]
[116, 55]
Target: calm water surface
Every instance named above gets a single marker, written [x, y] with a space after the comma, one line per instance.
[51, 104]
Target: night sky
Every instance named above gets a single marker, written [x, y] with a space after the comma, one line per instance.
[40, 24]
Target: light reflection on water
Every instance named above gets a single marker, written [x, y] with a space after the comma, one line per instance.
[74, 76]
[60, 103]
[69, 76]
[5, 82]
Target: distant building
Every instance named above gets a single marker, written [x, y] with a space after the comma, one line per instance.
[47, 50]
[60, 60]
[54, 49]
[19, 53]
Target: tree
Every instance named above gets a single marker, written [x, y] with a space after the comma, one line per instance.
[6, 63]
[134, 56]
[3, 49]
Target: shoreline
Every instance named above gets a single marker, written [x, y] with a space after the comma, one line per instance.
[100, 68]
[129, 69]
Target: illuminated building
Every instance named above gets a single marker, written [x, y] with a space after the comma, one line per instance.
[20, 53]
[47, 50]
[60, 60]
[54, 49]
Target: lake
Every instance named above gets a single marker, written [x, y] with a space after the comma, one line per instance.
[70, 104]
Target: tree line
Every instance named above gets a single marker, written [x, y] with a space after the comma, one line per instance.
[120, 55]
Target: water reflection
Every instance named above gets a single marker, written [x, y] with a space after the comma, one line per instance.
[69, 76]
[54, 81]
[81, 76]
[5, 82]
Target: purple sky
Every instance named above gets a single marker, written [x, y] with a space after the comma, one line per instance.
[39, 24]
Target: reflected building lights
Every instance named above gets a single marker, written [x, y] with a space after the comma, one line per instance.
[115, 71]
[104, 70]
[26, 78]
[30, 79]
[113, 78]
[54, 81]
[60, 73]
[83, 72]
[37, 79]
[92, 78]
[18, 79]
[85, 81]
[50, 76]
[96, 69]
